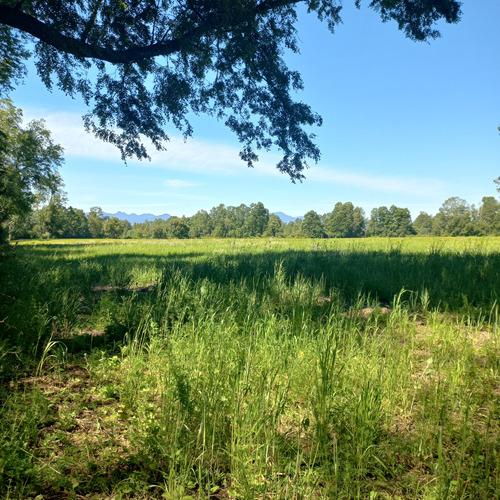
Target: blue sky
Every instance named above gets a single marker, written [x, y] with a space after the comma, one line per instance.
[404, 123]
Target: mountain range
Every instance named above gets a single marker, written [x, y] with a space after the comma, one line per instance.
[139, 219]
[136, 219]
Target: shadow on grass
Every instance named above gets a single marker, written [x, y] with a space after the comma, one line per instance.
[46, 290]
[453, 281]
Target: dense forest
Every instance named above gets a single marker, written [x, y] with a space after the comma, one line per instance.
[455, 218]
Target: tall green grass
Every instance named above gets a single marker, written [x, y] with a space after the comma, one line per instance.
[251, 369]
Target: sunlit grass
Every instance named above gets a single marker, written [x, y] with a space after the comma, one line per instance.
[251, 369]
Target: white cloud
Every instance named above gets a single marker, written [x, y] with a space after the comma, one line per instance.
[191, 155]
[379, 183]
[67, 129]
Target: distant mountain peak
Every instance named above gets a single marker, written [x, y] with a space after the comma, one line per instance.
[287, 218]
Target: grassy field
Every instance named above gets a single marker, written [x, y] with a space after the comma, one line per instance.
[251, 369]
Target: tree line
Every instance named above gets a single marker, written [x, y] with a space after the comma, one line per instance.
[455, 218]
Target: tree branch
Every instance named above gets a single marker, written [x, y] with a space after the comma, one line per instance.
[91, 21]
[80, 48]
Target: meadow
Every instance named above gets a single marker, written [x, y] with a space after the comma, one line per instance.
[251, 369]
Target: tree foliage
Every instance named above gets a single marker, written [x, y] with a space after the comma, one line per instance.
[29, 162]
[312, 226]
[142, 64]
[455, 218]
[345, 221]
[95, 221]
[275, 226]
[115, 228]
[393, 221]
[12, 56]
[422, 225]
[489, 216]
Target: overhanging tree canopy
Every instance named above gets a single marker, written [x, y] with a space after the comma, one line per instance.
[140, 64]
